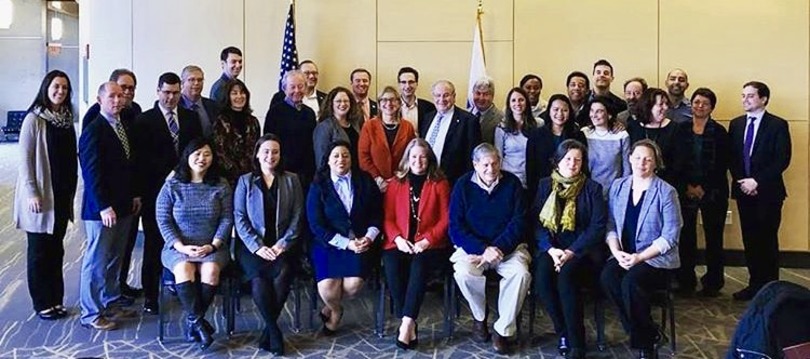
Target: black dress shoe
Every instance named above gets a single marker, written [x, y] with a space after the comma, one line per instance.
[48, 314]
[708, 293]
[131, 292]
[576, 353]
[562, 346]
[480, 333]
[150, 307]
[499, 343]
[745, 294]
[647, 354]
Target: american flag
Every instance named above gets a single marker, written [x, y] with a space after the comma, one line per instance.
[289, 53]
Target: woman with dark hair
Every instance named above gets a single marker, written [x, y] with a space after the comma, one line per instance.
[569, 215]
[46, 185]
[344, 212]
[653, 124]
[268, 209]
[609, 146]
[339, 121]
[235, 131]
[512, 133]
[703, 185]
[543, 141]
[383, 139]
[644, 223]
[196, 235]
[533, 85]
[416, 221]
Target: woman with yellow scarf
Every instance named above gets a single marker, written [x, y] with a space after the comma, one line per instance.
[569, 216]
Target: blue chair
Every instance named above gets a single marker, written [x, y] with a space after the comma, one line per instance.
[14, 120]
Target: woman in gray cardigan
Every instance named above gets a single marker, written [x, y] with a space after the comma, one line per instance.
[46, 185]
[340, 120]
[268, 208]
[644, 224]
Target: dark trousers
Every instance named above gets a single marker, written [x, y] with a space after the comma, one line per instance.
[152, 245]
[561, 296]
[714, 216]
[127, 259]
[45, 256]
[630, 291]
[407, 276]
[759, 222]
[269, 291]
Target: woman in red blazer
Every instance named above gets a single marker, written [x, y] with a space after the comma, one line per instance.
[415, 226]
[383, 139]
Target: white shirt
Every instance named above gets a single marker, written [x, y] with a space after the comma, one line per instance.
[165, 112]
[757, 121]
[444, 126]
[346, 195]
[411, 113]
[312, 102]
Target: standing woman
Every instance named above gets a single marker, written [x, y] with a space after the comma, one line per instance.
[654, 125]
[235, 132]
[609, 148]
[196, 236]
[46, 184]
[644, 223]
[344, 212]
[511, 135]
[268, 206]
[383, 139]
[416, 221]
[339, 121]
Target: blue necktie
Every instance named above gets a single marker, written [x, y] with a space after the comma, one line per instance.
[174, 129]
[434, 132]
[747, 144]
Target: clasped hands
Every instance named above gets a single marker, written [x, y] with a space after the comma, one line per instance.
[403, 245]
[270, 253]
[492, 256]
[359, 245]
[196, 251]
[560, 256]
[627, 260]
[748, 186]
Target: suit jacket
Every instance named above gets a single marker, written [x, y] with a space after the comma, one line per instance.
[769, 157]
[462, 137]
[423, 107]
[107, 172]
[375, 157]
[659, 220]
[372, 110]
[589, 225]
[249, 210]
[488, 120]
[713, 163]
[157, 154]
[279, 97]
[211, 108]
[128, 114]
[433, 213]
[328, 217]
[327, 131]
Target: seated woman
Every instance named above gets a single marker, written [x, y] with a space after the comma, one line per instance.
[344, 212]
[195, 234]
[571, 214]
[416, 220]
[268, 210]
[644, 224]
[383, 139]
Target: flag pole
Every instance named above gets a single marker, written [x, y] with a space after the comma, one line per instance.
[480, 29]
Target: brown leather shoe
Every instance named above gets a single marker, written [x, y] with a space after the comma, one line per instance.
[480, 333]
[500, 344]
[101, 323]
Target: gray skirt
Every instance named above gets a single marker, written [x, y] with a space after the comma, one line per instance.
[170, 257]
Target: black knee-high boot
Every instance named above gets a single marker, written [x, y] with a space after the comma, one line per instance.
[265, 298]
[189, 297]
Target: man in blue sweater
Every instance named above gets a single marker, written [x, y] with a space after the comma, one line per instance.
[487, 220]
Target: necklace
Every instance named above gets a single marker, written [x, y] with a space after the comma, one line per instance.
[414, 202]
[390, 127]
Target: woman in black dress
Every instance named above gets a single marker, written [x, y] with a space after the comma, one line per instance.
[653, 124]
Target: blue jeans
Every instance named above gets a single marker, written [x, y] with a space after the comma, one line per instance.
[102, 262]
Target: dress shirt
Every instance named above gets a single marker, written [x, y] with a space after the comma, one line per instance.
[365, 104]
[343, 187]
[311, 100]
[165, 112]
[444, 126]
[411, 112]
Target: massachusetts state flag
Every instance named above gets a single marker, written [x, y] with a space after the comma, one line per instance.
[289, 53]
[478, 65]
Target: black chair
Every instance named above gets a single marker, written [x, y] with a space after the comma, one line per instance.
[492, 277]
[665, 298]
[14, 120]
[166, 287]
[598, 314]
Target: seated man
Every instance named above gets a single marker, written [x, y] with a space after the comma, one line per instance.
[487, 217]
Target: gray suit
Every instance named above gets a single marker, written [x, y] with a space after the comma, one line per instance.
[249, 210]
[326, 132]
[489, 119]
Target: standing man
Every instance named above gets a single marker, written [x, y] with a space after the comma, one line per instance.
[633, 88]
[602, 78]
[231, 61]
[313, 97]
[161, 133]
[413, 108]
[110, 199]
[450, 131]
[360, 80]
[677, 82]
[760, 153]
[192, 79]
[126, 79]
[484, 110]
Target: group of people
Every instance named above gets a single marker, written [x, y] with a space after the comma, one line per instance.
[582, 190]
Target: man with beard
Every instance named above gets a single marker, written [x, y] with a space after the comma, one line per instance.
[677, 82]
[633, 88]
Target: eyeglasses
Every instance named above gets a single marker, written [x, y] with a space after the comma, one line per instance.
[389, 100]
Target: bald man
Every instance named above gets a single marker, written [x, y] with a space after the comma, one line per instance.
[677, 82]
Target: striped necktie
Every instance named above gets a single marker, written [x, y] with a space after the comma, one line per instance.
[434, 132]
[122, 136]
[174, 129]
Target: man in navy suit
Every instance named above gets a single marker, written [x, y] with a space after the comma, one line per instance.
[192, 79]
[110, 199]
[760, 153]
[451, 131]
[161, 133]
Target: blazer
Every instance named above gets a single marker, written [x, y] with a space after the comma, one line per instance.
[433, 213]
[328, 131]
[659, 221]
[128, 114]
[210, 107]
[248, 205]
[488, 120]
[375, 157]
[328, 217]
[34, 179]
[590, 220]
[107, 172]
[540, 149]
[769, 157]
[423, 107]
[279, 97]
[157, 154]
[714, 160]
[462, 137]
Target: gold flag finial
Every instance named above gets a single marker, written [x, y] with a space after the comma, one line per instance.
[480, 7]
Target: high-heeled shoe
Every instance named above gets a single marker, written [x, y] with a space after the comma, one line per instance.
[324, 329]
[415, 341]
[205, 336]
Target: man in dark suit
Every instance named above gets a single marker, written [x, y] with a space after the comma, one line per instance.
[413, 108]
[109, 201]
[127, 80]
[452, 132]
[231, 61]
[192, 79]
[760, 153]
[313, 97]
[161, 133]
[360, 81]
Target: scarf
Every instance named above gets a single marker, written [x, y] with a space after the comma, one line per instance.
[550, 216]
[61, 119]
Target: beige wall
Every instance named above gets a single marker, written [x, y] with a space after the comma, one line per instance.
[721, 44]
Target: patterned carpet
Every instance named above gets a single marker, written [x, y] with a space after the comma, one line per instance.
[704, 327]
